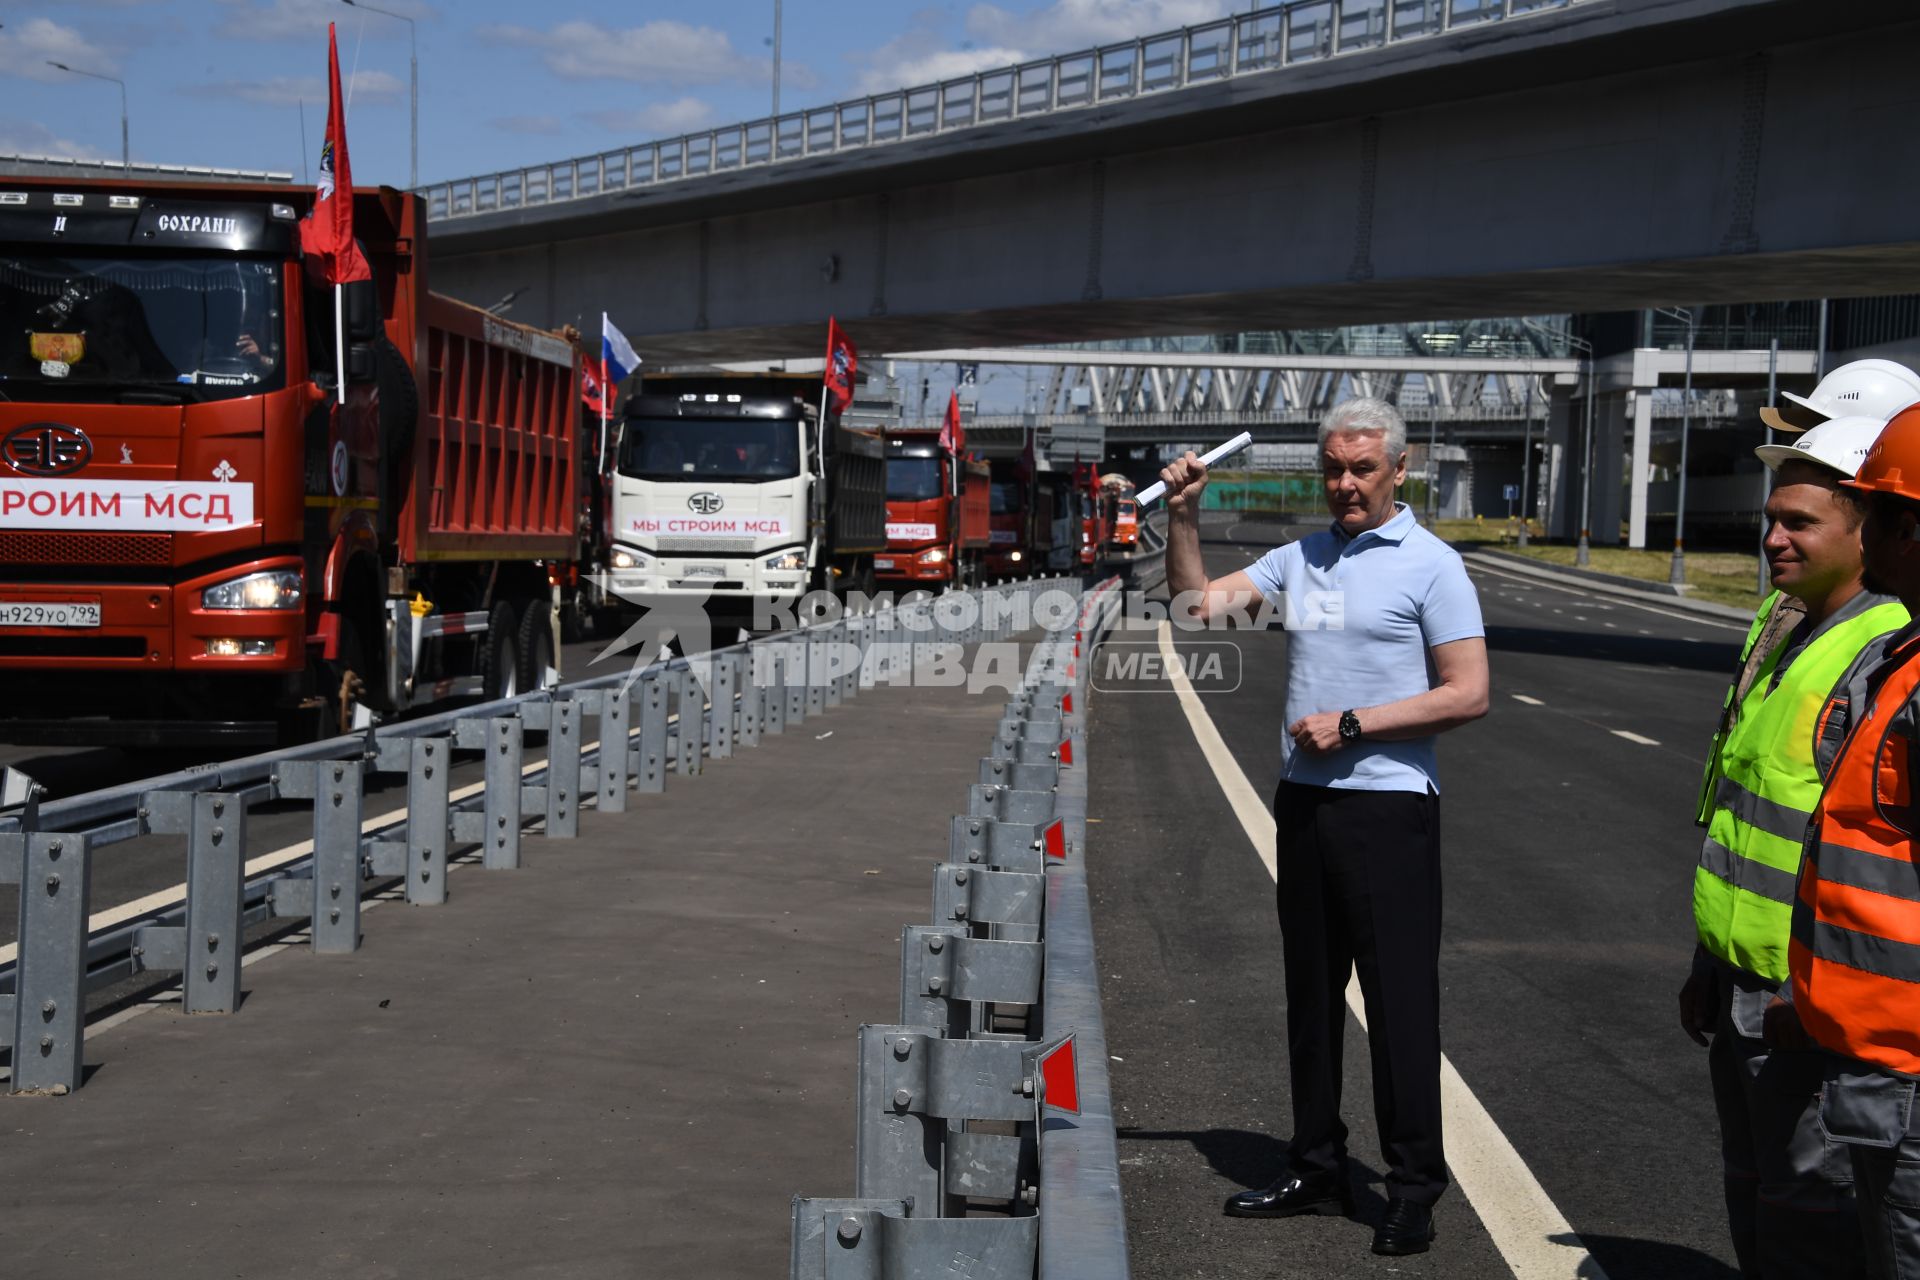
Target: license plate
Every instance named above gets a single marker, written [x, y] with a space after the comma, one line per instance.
[65, 613]
[705, 571]
[883, 564]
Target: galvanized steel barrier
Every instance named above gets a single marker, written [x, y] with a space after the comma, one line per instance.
[646, 725]
[1265, 40]
[984, 1138]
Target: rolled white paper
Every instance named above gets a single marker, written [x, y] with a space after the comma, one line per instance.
[1212, 456]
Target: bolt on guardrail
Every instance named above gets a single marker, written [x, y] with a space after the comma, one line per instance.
[671, 717]
[954, 1108]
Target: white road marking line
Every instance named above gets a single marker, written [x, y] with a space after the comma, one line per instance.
[1587, 595]
[1534, 1238]
[1612, 626]
[1631, 736]
[1532, 702]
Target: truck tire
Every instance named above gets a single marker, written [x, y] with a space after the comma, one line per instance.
[399, 401]
[500, 654]
[536, 644]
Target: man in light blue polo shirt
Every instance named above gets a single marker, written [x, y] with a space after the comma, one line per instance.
[1385, 650]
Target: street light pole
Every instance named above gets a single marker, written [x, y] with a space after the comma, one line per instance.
[776, 63]
[126, 161]
[1677, 571]
[413, 88]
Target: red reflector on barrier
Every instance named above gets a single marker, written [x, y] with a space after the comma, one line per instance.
[1054, 835]
[1070, 669]
[1066, 751]
[1061, 1072]
[1066, 704]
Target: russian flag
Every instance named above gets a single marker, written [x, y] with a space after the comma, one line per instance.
[617, 352]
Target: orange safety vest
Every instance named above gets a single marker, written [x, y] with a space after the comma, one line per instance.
[1855, 948]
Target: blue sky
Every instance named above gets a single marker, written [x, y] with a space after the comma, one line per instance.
[501, 84]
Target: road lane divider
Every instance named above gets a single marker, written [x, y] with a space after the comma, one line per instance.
[1533, 1236]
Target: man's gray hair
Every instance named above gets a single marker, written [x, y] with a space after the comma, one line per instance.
[1364, 414]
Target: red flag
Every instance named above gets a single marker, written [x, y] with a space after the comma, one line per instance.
[593, 387]
[326, 235]
[953, 437]
[843, 361]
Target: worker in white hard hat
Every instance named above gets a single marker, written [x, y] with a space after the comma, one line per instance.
[1875, 389]
[1789, 1188]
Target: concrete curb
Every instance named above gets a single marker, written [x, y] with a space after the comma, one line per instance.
[1612, 584]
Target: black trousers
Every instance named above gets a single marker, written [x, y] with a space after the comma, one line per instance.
[1359, 888]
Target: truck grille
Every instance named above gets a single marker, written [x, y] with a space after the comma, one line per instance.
[671, 545]
[86, 548]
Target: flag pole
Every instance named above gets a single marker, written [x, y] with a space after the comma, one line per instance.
[340, 343]
[605, 391]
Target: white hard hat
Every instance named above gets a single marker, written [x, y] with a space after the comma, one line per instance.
[1865, 388]
[1838, 444]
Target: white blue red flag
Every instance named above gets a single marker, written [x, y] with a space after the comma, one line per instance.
[616, 353]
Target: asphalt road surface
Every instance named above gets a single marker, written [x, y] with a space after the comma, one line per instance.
[1568, 857]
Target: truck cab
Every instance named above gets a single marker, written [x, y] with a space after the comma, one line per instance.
[937, 513]
[729, 493]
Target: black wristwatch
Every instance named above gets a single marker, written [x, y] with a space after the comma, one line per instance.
[1349, 727]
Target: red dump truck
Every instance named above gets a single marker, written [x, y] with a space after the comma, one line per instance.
[198, 541]
[937, 513]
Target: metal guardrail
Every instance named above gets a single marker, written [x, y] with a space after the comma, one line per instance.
[658, 721]
[964, 1105]
[1266, 40]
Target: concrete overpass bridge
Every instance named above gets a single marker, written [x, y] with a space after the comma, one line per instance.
[1313, 163]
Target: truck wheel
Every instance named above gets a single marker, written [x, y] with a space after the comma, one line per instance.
[500, 654]
[536, 644]
[575, 626]
[399, 401]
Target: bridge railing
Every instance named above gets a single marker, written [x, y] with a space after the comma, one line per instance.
[603, 738]
[1266, 40]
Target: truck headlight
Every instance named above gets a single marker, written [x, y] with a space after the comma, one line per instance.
[788, 561]
[627, 558]
[1014, 556]
[274, 589]
[933, 555]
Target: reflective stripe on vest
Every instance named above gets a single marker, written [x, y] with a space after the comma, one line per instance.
[1855, 953]
[1767, 787]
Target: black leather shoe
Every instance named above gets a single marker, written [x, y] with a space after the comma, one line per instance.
[1293, 1195]
[1408, 1228]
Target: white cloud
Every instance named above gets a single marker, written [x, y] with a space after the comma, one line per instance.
[362, 88]
[925, 52]
[542, 125]
[682, 115]
[930, 68]
[31, 138]
[663, 52]
[1066, 25]
[306, 19]
[25, 51]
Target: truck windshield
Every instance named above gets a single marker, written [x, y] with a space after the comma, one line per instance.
[742, 449]
[913, 479]
[1003, 499]
[77, 328]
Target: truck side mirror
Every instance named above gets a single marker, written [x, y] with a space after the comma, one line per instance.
[360, 302]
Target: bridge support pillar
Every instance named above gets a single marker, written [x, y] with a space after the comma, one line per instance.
[1639, 464]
